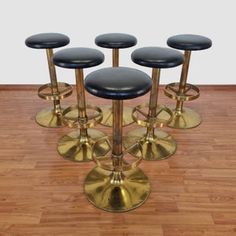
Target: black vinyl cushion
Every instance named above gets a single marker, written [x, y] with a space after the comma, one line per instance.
[189, 42]
[157, 57]
[118, 83]
[115, 40]
[47, 40]
[76, 58]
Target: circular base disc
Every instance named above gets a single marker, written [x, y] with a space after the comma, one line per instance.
[162, 146]
[186, 119]
[103, 192]
[108, 116]
[48, 118]
[74, 148]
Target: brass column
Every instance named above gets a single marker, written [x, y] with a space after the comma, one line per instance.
[183, 79]
[153, 101]
[115, 57]
[82, 116]
[183, 117]
[117, 153]
[115, 63]
[53, 79]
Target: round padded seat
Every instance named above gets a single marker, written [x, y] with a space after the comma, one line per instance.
[47, 40]
[189, 42]
[157, 57]
[78, 58]
[115, 40]
[118, 83]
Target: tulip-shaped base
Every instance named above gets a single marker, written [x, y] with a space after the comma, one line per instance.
[49, 118]
[76, 147]
[117, 191]
[185, 119]
[157, 146]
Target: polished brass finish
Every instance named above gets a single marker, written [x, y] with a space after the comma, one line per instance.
[117, 186]
[53, 77]
[107, 110]
[117, 154]
[70, 117]
[184, 73]
[155, 145]
[183, 118]
[190, 93]
[64, 90]
[52, 117]
[115, 57]
[126, 164]
[117, 130]
[117, 191]
[140, 116]
[107, 116]
[151, 115]
[77, 145]
[49, 118]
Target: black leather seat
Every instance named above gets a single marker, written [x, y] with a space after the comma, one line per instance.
[118, 83]
[47, 40]
[115, 40]
[157, 57]
[76, 58]
[189, 42]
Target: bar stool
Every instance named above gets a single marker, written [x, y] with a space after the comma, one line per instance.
[156, 145]
[117, 184]
[116, 41]
[54, 91]
[185, 118]
[77, 145]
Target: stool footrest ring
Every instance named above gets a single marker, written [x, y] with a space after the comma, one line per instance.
[163, 116]
[191, 92]
[71, 119]
[64, 90]
[106, 163]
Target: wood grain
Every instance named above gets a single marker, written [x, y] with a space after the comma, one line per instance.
[193, 192]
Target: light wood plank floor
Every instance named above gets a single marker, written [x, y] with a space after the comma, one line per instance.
[193, 192]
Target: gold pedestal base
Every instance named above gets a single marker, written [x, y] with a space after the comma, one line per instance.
[74, 147]
[160, 147]
[117, 192]
[48, 118]
[186, 119]
[108, 116]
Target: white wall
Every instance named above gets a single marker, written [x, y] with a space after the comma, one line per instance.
[151, 21]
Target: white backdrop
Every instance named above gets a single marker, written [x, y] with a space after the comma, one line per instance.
[151, 21]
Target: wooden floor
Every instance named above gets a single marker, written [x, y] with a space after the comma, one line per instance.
[193, 192]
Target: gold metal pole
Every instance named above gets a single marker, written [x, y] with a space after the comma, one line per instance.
[156, 72]
[183, 78]
[115, 63]
[82, 116]
[53, 78]
[115, 57]
[117, 153]
[154, 92]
